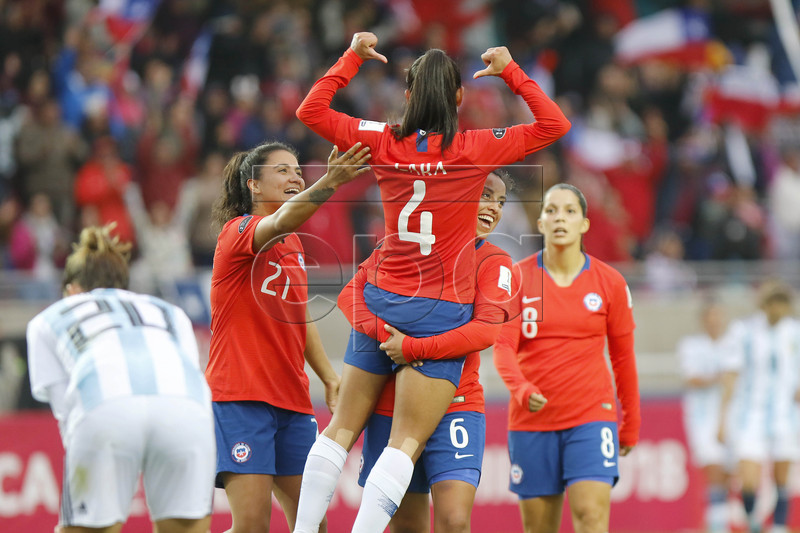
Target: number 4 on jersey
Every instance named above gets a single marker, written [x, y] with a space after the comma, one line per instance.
[425, 237]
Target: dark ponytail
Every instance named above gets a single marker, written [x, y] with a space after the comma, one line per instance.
[236, 199]
[432, 82]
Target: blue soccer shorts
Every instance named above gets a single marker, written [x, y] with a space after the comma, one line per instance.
[454, 451]
[544, 463]
[417, 317]
[259, 438]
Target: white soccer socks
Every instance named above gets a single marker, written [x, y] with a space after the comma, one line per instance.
[384, 490]
[323, 467]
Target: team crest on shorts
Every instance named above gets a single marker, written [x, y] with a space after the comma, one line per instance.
[240, 452]
[499, 133]
[361, 464]
[301, 260]
[592, 301]
[516, 474]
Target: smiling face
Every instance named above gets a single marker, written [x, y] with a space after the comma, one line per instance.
[490, 208]
[562, 221]
[279, 179]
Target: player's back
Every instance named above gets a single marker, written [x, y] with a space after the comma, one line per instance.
[767, 359]
[116, 343]
[700, 356]
[430, 201]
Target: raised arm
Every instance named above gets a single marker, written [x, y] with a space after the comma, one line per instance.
[293, 212]
[551, 124]
[315, 111]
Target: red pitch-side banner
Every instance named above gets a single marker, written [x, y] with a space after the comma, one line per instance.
[659, 490]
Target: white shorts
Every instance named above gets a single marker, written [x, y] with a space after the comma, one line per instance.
[757, 441]
[704, 446]
[169, 440]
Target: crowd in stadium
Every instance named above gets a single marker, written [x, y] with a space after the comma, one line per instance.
[102, 121]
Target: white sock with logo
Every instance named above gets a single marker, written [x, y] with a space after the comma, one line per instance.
[384, 490]
[323, 467]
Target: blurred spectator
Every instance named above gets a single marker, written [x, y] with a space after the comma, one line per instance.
[729, 223]
[637, 178]
[648, 141]
[664, 266]
[784, 205]
[80, 76]
[212, 109]
[165, 256]
[38, 244]
[49, 152]
[195, 201]
[166, 154]
[100, 187]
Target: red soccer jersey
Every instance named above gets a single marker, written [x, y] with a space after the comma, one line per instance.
[555, 346]
[492, 299]
[430, 198]
[258, 320]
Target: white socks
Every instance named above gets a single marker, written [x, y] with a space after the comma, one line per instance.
[384, 490]
[323, 466]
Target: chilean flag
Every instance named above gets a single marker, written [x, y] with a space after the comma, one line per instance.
[744, 95]
[196, 66]
[126, 19]
[680, 35]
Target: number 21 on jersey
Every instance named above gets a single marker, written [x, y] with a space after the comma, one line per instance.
[425, 237]
[265, 286]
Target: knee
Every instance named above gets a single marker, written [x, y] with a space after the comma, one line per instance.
[456, 521]
[250, 523]
[590, 518]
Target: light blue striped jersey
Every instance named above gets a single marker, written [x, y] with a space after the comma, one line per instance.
[112, 343]
[767, 360]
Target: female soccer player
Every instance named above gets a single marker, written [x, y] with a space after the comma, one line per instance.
[121, 373]
[701, 358]
[761, 387]
[562, 413]
[431, 177]
[450, 465]
[261, 332]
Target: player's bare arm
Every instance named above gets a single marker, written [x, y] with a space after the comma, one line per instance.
[289, 216]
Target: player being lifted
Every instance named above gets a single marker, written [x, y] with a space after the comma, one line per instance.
[450, 465]
[431, 177]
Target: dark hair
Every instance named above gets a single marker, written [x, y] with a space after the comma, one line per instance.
[432, 82]
[98, 260]
[505, 177]
[236, 199]
[577, 192]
